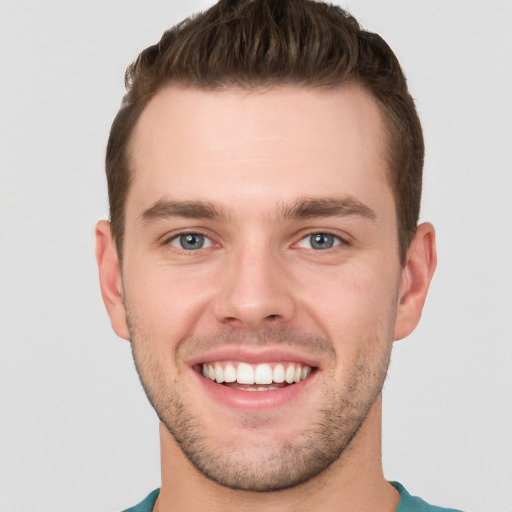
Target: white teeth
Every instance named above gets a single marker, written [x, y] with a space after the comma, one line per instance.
[219, 373]
[290, 373]
[260, 388]
[245, 374]
[229, 373]
[279, 373]
[263, 374]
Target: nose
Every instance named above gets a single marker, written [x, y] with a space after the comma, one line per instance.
[254, 291]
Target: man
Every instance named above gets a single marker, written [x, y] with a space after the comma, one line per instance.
[263, 254]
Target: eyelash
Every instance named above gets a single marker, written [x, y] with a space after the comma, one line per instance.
[338, 240]
[176, 237]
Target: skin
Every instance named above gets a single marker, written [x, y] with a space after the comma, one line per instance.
[258, 288]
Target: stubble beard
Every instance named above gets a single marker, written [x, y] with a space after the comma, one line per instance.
[265, 468]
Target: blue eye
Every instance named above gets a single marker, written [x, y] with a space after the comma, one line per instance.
[191, 241]
[320, 241]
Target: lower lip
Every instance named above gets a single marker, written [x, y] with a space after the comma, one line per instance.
[254, 400]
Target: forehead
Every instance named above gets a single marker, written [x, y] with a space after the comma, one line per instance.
[272, 145]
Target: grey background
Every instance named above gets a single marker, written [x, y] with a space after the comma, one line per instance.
[76, 433]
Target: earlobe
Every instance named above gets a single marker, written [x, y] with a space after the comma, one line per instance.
[110, 279]
[416, 276]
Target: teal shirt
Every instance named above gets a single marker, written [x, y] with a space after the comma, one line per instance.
[410, 503]
[407, 503]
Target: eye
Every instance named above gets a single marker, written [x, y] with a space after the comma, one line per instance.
[320, 241]
[190, 241]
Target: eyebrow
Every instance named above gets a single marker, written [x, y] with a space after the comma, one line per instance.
[163, 209]
[307, 208]
[303, 208]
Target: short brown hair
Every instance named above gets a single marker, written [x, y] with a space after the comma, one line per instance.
[261, 43]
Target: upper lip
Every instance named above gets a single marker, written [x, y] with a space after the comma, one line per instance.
[254, 355]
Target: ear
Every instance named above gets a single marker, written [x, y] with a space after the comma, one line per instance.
[110, 279]
[416, 276]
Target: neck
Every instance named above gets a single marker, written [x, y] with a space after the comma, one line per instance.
[354, 482]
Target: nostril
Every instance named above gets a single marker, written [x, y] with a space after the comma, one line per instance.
[254, 310]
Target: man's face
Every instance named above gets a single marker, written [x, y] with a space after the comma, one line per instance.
[261, 244]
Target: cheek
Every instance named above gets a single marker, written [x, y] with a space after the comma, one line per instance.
[357, 313]
[164, 303]
[351, 301]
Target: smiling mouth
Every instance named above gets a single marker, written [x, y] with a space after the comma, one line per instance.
[255, 377]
